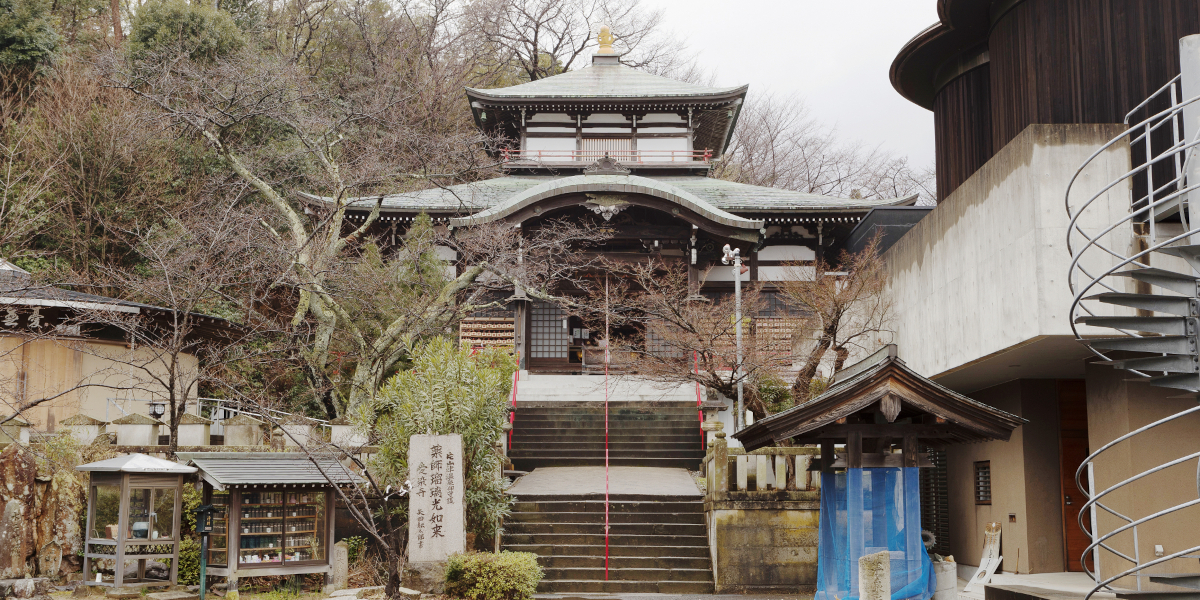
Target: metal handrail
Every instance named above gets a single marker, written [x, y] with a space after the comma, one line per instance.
[1107, 244]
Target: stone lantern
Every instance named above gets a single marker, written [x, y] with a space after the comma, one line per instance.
[83, 428]
[137, 430]
[134, 504]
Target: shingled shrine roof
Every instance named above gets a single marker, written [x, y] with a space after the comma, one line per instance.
[883, 397]
[607, 81]
[240, 469]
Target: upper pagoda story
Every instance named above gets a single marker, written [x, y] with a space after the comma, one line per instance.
[644, 121]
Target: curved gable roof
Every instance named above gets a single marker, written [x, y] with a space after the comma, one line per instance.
[608, 183]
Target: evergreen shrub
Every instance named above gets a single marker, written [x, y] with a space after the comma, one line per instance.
[488, 576]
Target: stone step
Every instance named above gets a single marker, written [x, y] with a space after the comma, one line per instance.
[625, 562]
[615, 506]
[614, 574]
[688, 518]
[670, 529]
[529, 464]
[598, 436]
[562, 586]
[597, 539]
[615, 432]
[599, 453]
[649, 415]
[520, 442]
[664, 425]
[642, 552]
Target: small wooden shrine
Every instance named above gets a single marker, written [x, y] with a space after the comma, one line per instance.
[870, 495]
[273, 511]
[134, 503]
[875, 406]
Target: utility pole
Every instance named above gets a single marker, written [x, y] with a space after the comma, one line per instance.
[734, 256]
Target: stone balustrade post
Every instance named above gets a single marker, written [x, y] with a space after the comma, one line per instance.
[721, 464]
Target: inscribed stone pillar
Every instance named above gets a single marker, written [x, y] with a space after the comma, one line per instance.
[436, 524]
[875, 576]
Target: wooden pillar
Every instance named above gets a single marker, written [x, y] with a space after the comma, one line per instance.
[122, 525]
[855, 530]
[87, 534]
[175, 528]
[909, 450]
[854, 450]
[826, 456]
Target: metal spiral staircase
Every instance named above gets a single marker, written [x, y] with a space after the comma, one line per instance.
[1155, 329]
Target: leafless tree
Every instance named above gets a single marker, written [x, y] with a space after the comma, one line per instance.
[846, 308]
[200, 284]
[778, 143]
[674, 335]
[547, 37]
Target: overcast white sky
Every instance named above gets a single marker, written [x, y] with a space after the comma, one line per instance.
[834, 54]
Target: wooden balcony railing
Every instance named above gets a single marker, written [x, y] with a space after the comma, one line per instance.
[621, 156]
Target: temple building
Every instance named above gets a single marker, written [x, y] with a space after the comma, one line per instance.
[631, 152]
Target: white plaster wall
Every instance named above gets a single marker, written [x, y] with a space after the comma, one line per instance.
[787, 253]
[986, 270]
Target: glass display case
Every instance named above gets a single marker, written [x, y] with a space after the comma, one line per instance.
[218, 540]
[269, 528]
[133, 521]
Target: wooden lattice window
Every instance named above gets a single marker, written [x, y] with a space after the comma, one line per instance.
[983, 482]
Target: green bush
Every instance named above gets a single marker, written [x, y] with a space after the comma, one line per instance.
[27, 35]
[355, 545]
[487, 576]
[198, 30]
[189, 561]
[449, 390]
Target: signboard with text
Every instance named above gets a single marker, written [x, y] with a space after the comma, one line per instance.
[437, 517]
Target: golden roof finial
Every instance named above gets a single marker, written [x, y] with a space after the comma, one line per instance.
[606, 40]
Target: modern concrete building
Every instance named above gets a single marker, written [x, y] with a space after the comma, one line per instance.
[1037, 105]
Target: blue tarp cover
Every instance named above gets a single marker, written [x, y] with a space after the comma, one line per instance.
[865, 511]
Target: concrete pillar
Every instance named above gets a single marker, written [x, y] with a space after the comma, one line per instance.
[875, 576]
[1189, 68]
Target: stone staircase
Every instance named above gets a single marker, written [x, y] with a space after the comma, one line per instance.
[656, 544]
[560, 423]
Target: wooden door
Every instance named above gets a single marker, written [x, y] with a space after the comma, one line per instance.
[1073, 449]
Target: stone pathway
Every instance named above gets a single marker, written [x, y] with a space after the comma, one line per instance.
[570, 481]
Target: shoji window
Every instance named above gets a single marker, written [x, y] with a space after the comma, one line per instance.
[548, 337]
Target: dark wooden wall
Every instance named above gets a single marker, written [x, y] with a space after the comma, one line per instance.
[1059, 61]
[1082, 61]
[962, 128]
